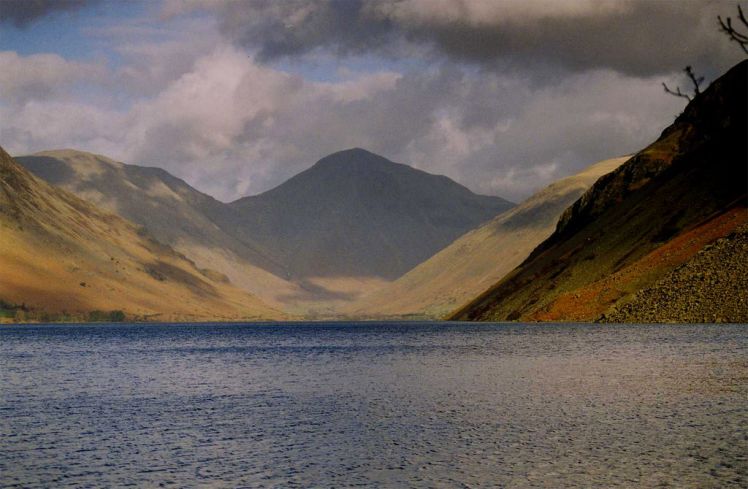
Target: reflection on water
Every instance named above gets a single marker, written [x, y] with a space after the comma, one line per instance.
[414, 405]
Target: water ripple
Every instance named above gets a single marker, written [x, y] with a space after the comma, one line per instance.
[373, 405]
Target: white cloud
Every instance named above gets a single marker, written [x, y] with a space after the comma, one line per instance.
[41, 76]
[229, 124]
[232, 126]
[544, 133]
[51, 124]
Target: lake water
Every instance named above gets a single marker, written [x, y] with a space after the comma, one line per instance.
[373, 405]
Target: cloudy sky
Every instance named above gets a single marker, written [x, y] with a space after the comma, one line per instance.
[503, 96]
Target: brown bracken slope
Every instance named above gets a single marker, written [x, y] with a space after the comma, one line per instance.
[63, 258]
[640, 222]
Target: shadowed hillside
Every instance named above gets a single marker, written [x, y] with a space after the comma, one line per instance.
[62, 257]
[638, 223]
[478, 259]
[357, 214]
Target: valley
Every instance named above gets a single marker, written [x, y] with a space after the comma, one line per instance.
[357, 236]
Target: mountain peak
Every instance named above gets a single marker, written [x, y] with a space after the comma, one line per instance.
[352, 157]
[358, 214]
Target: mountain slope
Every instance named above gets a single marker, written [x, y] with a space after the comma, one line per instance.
[356, 214]
[476, 260]
[638, 223]
[169, 209]
[60, 254]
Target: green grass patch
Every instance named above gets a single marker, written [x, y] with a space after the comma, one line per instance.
[106, 316]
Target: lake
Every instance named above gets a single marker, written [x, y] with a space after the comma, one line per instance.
[373, 405]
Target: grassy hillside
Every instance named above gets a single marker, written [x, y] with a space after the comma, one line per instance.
[62, 257]
[475, 261]
[677, 195]
[170, 210]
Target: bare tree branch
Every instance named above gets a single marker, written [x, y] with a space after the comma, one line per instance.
[676, 92]
[695, 80]
[739, 37]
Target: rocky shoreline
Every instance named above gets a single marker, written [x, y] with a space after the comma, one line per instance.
[709, 288]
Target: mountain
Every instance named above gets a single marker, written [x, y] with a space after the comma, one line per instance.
[476, 260]
[169, 209]
[61, 257]
[357, 214]
[639, 223]
[344, 227]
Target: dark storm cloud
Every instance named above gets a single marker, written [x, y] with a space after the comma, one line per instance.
[295, 27]
[23, 12]
[337, 23]
[635, 37]
[651, 37]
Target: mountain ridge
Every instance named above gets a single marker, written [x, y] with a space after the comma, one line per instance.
[62, 255]
[219, 236]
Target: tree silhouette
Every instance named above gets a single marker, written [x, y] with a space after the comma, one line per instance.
[739, 37]
[735, 35]
[695, 80]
